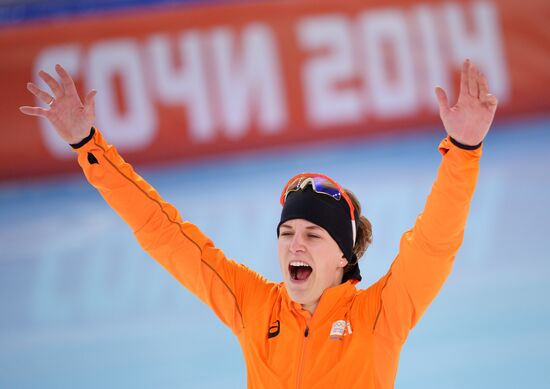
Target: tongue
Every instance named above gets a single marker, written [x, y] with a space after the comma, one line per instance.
[303, 272]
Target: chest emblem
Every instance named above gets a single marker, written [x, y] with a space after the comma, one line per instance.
[340, 328]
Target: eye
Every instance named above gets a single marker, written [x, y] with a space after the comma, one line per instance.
[313, 236]
[285, 233]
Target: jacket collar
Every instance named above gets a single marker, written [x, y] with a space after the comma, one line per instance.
[331, 299]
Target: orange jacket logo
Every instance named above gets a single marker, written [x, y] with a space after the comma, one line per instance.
[274, 329]
[340, 328]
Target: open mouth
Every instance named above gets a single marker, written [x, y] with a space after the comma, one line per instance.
[299, 271]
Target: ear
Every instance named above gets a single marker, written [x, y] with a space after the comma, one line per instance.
[343, 262]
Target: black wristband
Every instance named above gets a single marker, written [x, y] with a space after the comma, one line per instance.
[83, 141]
[463, 146]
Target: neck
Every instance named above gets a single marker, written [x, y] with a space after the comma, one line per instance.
[310, 307]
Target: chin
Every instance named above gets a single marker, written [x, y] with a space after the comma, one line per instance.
[298, 295]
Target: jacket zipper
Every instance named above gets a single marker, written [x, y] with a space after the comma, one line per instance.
[302, 357]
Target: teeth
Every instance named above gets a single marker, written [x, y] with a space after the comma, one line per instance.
[298, 263]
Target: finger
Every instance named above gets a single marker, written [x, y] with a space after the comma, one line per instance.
[89, 101]
[472, 82]
[34, 111]
[43, 96]
[490, 100]
[66, 80]
[464, 78]
[442, 99]
[52, 83]
[483, 85]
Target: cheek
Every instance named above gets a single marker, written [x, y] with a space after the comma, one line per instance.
[326, 269]
[322, 262]
[327, 260]
[282, 249]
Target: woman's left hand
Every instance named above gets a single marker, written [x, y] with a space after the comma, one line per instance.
[469, 120]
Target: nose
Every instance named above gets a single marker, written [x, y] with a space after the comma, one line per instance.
[297, 244]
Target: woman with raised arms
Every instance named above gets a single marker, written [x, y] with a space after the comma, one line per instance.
[316, 329]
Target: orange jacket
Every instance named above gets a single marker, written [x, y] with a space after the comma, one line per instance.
[355, 336]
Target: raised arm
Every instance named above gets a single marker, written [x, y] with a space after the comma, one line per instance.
[427, 250]
[179, 246]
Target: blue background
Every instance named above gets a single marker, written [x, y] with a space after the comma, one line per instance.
[82, 305]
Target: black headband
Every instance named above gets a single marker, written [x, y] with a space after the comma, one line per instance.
[333, 215]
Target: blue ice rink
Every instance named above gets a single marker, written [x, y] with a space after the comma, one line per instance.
[81, 306]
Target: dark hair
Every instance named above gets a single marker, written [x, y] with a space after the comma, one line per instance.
[364, 232]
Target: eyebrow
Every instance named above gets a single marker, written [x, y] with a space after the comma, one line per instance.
[307, 228]
[313, 228]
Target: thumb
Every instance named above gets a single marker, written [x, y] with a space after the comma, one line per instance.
[490, 100]
[442, 99]
[89, 101]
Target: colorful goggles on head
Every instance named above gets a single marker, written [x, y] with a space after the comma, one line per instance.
[324, 185]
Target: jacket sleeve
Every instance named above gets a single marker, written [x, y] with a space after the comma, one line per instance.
[179, 246]
[427, 251]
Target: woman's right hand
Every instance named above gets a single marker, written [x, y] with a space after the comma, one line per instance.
[71, 119]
